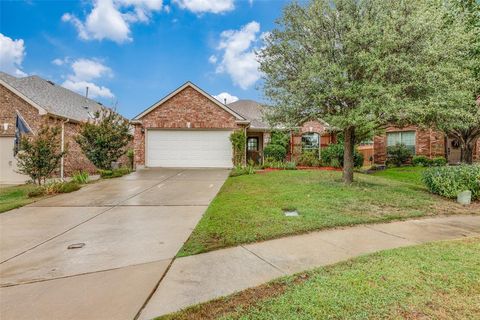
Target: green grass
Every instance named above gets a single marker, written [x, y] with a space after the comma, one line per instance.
[15, 197]
[434, 281]
[249, 208]
[408, 174]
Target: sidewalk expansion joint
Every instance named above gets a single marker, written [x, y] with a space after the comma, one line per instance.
[264, 260]
[78, 274]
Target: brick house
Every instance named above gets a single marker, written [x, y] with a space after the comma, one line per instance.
[40, 102]
[425, 142]
[190, 128]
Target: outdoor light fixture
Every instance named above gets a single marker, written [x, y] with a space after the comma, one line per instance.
[5, 126]
[142, 130]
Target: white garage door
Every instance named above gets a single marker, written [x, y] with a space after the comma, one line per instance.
[8, 163]
[189, 148]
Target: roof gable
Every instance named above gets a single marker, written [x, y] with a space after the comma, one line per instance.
[237, 116]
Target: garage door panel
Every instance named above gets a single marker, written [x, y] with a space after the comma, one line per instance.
[189, 148]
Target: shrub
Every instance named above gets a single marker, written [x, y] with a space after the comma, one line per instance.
[398, 154]
[332, 155]
[130, 156]
[275, 151]
[105, 140]
[239, 141]
[36, 192]
[67, 187]
[439, 162]
[275, 164]
[240, 171]
[281, 138]
[80, 177]
[40, 155]
[449, 181]
[115, 173]
[421, 161]
[309, 159]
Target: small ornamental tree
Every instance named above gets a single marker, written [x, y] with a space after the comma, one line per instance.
[105, 140]
[40, 154]
[362, 64]
[239, 141]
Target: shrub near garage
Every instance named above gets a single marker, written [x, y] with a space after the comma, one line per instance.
[450, 181]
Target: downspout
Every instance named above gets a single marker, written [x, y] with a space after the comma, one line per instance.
[62, 148]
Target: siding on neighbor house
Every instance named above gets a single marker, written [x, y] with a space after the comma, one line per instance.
[10, 104]
[428, 143]
[188, 109]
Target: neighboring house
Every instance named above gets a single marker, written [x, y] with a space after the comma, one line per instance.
[41, 102]
[425, 142]
[190, 128]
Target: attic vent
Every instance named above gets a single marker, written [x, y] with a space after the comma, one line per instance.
[51, 82]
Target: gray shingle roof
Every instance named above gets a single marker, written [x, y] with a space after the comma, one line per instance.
[251, 110]
[54, 98]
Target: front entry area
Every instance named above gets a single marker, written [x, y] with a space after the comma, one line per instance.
[189, 148]
[454, 153]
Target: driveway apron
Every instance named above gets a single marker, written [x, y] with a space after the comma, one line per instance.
[124, 233]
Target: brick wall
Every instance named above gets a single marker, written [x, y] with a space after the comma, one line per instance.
[188, 109]
[427, 143]
[10, 104]
[309, 126]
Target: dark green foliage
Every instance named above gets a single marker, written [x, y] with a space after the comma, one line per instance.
[421, 161]
[309, 159]
[239, 141]
[240, 170]
[105, 140]
[332, 155]
[275, 151]
[40, 154]
[115, 173]
[130, 155]
[68, 187]
[398, 154]
[439, 162]
[275, 164]
[281, 138]
[80, 177]
[36, 192]
[449, 181]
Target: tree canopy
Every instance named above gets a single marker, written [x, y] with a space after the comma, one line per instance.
[361, 64]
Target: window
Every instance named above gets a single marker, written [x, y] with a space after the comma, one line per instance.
[252, 144]
[310, 141]
[405, 137]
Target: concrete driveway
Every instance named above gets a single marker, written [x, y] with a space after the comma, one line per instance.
[130, 228]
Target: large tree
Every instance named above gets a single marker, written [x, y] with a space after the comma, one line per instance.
[361, 64]
[462, 121]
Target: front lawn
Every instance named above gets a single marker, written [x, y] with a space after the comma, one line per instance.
[406, 174]
[249, 208]
[432, 281]
[15, 196]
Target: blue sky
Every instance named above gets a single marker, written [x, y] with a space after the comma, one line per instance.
[136, 51]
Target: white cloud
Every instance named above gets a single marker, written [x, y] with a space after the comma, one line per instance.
[84, 72]
[225, 95]
[203, 6]
[111, 19]
[86, 69]
[12, 53]
[94, 91]
[213, 59]
[61, 62]
[239, 60]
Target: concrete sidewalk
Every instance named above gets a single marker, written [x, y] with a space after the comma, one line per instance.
[203, 277]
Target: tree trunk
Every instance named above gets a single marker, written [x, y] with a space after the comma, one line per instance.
[348, 150]
[467, 153]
